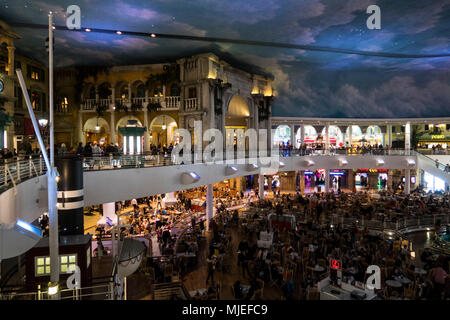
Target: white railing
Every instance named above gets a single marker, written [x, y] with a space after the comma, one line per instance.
[99, 292]
[138, 101]
[88, 104]
[105, 102]
[20, 169]
[190, 104]
[172, 102]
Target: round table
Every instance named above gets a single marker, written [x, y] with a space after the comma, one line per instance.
[420, 271]
[404, 281]
[393, 283]
[318, 269]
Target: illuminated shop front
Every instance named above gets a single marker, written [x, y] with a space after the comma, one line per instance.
[282, 135]
[132, 139]
[432, 141]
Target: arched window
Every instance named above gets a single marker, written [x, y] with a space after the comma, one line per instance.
[140, 91]
[158, 91]
[36, 100]
[175, 90]
[92, 93]
[124, 92]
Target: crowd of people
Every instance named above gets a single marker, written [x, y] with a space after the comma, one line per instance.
[298, 256]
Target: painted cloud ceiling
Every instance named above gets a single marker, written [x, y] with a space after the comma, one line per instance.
[308, 83]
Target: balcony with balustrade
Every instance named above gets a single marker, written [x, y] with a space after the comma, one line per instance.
[165, 103]
[191, 104]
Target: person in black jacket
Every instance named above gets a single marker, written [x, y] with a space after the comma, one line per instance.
[80, 149]
[87, 152]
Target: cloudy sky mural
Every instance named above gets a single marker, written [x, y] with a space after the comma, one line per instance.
[308, 83]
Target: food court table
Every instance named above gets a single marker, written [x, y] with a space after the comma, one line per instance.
[393, 283]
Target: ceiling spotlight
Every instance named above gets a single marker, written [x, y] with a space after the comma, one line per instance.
[88, 30]
[119, 32]
[153, 35]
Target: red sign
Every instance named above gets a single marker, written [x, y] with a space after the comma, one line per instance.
[335, 264]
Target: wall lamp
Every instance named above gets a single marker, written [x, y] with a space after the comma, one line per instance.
[229, 170]
[189, 177]
[252, 167]
[380, 162]
[309, 163]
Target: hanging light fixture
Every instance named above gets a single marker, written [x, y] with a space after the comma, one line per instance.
[97, 127]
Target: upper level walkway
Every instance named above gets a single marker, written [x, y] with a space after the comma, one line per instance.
[116, 178]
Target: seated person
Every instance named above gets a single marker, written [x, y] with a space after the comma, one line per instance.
[237, 290]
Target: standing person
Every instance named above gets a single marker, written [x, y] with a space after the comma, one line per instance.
[80, 149]
[63, 149]
[87, 152]
[210, 268]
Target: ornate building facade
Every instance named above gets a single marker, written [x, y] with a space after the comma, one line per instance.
[96, 102]
[16, 126]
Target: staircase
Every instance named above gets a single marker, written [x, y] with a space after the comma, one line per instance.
[166, 291]
[429, 165]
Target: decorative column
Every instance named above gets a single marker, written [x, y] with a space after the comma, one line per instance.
[351, 179]
[80, 127]
[269, 128]
[112, 123]
[302, 181]
[11, 71]
[70, 195]
[302, 135]
[209, 204]
[389, 135]
[327, 180]
[327, 138]
[407, 181]
[129, 92]
[112, 128]
[109, 211]
[292, 136]
[407, 138]
[350, 135]
[261, 186]
[146, 133]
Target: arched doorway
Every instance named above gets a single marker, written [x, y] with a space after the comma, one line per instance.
[162, 131]
[374, 136]
[237, 116]
[282, 135]
[336, 136]
[96, 130]
[357, 135]
[122, 123]
[310, 134]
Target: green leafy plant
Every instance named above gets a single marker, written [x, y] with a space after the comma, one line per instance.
[100, 109]
[135, 107]
[153, 106]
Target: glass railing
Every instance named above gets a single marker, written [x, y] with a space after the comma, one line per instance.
[19, 169]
